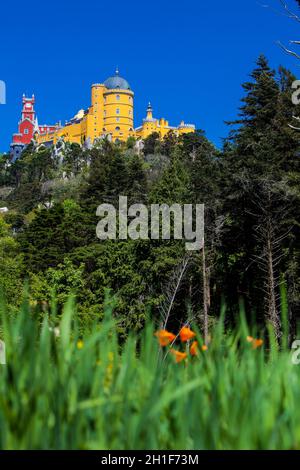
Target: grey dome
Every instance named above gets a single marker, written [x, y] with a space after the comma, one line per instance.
[117, 82]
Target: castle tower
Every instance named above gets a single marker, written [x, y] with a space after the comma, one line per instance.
[96, 118]
[26, 128]
[149, 112]
[118, 108]
[28, 109]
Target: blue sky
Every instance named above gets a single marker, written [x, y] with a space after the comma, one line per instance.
[188, 58]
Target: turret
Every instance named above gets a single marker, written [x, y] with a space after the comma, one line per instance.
[118, 107]
[149, 112]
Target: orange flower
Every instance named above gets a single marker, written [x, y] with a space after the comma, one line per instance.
[257, 343]
[164, 337]
[194, 348]
[180, 356]
[186, 334]
[204, 347]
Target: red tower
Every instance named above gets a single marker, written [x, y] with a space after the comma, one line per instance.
[27, 123]
[28, 127]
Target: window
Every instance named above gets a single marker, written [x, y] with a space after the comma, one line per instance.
[118, 110]
[130, 112]
[118, 119]
[26, 131]
[118, 97]
[117, 128]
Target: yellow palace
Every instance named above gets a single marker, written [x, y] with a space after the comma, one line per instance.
[111, 114]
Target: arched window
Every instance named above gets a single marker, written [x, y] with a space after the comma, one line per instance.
[118, 110]
[117, 128]
[118, 97]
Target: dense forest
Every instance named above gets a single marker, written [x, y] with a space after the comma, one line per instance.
[251, 192]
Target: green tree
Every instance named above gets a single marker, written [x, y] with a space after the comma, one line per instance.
[152, 144]
[11, 262]
[261, 166]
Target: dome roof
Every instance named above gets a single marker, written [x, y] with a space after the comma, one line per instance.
[117, 82]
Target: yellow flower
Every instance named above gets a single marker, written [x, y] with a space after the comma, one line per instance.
[80, 344]
[204, 347]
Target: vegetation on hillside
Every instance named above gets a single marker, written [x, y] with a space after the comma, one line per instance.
[250, 189]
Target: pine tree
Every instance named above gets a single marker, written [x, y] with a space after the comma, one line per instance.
[174, 185]
[261, 164]
[137, 188]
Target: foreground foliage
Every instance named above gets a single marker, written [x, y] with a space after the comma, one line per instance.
[60, 390]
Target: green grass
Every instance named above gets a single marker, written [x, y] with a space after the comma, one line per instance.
[55, 394]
